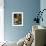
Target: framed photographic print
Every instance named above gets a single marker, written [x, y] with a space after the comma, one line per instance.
[17, 18]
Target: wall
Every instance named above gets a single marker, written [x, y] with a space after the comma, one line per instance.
[1, 20]
[43, 6]
[29, 8]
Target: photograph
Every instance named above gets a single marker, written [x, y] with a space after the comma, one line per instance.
[17, 18]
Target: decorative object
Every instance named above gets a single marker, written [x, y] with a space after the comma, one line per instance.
[17, 18]
[26, 41]
[39, 16]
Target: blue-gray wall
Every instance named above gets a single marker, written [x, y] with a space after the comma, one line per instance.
[43, 6]
[29, 8]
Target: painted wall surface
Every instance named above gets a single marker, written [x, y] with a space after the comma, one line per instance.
[1, 20]
[43, 6]
[29, 8]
